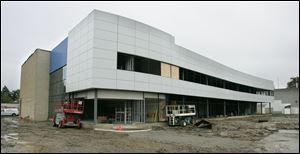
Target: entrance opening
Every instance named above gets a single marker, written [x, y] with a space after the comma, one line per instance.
[120, 111]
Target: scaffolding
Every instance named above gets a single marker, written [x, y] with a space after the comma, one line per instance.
[133, 111]
[119, 115]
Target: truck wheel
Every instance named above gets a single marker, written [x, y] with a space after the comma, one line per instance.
[78, 124]
[60, 125]
[13, 114]
[54, 124]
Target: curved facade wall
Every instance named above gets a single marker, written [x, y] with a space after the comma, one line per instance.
[93, 45]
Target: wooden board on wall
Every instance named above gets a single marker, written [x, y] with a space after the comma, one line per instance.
[175, 72]
[165, 70]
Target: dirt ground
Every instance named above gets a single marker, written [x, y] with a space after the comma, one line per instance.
[229, 135]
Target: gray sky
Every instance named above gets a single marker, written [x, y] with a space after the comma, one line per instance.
[258, 38]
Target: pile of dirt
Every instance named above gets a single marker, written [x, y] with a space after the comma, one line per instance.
[249, 128]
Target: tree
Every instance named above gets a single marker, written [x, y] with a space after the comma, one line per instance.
[5, 95]
[15, 94]
[294, 83]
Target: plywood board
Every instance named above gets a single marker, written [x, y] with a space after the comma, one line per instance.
[165, 70]
[175, 72]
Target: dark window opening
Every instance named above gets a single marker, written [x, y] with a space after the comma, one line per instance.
[154, 67]
[145, 65]
[203, 79]
[197, 77]
[141, 64]
[181, 73]
[125, 62]
[138, 64]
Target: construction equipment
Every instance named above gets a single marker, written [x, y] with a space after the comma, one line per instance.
[68, 114]
[180, 114]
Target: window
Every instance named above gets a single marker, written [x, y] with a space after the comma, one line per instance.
[125, 62]
[197, 77]
[181, 73]
[154, 67]
[141, 64]
[150, 66]
[203, 78]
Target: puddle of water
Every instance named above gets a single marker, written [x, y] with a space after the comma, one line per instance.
[13, 134]
[15, 126]
[23, 142]
[14, 121]
[8, 138]
[288, 131]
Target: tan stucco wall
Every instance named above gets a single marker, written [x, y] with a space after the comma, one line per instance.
[34, 90]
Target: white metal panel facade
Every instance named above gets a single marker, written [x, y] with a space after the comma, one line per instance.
[92, 61]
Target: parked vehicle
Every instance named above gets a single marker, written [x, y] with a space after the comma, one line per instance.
[63, 119]
[9, 112]
[68, 114]
[180, 114]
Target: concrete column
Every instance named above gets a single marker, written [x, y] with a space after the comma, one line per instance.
[224, 108]
[95, 107]
[261, 108]
[158, 113]
[144, 111]
[207, 108]
[270, 111]
[238, 108]
[144, 108]
[125, 116]
[250, 108]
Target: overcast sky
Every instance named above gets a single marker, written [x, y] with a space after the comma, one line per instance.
[258, 38]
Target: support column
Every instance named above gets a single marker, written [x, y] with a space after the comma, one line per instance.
[207, 108]
[95, 107]
[125, 116]
[251, 108]
[158, 113]
[270, 111]
[261, 108]
[144, 111]
[238, 108]
[144, 108]
[224, 108]
[140, 111]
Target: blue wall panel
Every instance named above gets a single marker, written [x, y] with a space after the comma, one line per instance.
[58, 56]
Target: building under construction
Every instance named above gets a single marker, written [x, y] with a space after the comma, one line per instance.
[125, 71]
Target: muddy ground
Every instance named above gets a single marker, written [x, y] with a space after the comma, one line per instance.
[232, 135]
